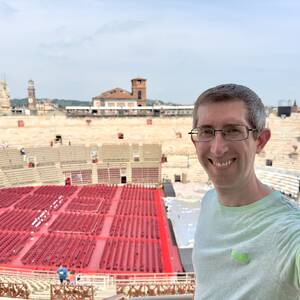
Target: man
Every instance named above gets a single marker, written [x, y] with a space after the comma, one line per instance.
[247, 241]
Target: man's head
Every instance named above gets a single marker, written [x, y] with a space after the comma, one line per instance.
[230, 130]
[234, 92]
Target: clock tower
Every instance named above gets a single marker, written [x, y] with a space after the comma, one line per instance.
[31, 95]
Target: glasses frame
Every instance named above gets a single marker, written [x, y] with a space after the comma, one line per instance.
[223, 134]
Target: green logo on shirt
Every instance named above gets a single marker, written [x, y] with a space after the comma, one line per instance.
[241, 257]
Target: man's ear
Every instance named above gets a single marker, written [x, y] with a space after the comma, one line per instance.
[262, 139]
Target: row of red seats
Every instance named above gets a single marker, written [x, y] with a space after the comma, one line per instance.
[78, 222]
[136, 207]
[105, 206]
[135, 227]
[11, 243]
[52, 250]
[56, 190]
[131, 256]
[89, 205]
[18, 190]
[96, 191]
[8, 198]
[23, 220]
[41, 202]
[138, 193]
[85, 204]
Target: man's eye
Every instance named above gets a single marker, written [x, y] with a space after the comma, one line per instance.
[206, 131]
[232, 130]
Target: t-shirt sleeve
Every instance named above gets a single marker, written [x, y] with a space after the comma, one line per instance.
[288, 259]
[298, 265]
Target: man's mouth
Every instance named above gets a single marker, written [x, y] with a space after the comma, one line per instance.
[222, 164]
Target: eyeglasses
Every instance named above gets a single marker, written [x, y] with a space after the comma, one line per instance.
[231, 133]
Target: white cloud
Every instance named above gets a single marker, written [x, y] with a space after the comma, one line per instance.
[182, 47]
[6, 10]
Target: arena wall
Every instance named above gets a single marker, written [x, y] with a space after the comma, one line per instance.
[283, 150]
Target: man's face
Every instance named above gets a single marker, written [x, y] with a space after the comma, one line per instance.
[229, 164]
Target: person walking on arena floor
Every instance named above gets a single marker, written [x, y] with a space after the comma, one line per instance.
[247, 240]
[62, 273]
[72, 277]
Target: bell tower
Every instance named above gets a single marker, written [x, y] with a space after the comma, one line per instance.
[31, 95]
[139, 90]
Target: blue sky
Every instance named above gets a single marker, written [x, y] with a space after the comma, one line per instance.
[76, 49]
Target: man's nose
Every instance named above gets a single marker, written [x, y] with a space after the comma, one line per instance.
[219, 145]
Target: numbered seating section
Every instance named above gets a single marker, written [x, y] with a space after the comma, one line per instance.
[52, 250]
[124, 224]
[137, 201]
[78, 223]
[11, 243]
[131, 256]
[23, 220]
[100, 190]
[18, 190]
[86, 204]
[41, 202]
[56, 190]
[7, 198]
[135, 227]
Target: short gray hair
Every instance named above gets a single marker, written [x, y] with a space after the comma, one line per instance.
[234, 92]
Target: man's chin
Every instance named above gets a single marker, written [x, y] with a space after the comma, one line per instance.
[223, 183]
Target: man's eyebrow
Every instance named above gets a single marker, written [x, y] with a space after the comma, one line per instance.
[205, 126]
[234, 124]
[227, 124]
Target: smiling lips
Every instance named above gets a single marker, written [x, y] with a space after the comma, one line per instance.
[222, 164]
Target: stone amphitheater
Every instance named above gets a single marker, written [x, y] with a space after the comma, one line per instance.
[278, 165]
[83, 135]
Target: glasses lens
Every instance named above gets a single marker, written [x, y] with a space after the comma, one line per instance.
[235, 132]
[202, 134]
[229, 133]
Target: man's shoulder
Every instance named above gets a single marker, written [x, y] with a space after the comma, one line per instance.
[209, 200]
[285, 209]
[209, 195]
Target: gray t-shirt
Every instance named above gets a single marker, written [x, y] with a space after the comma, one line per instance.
[248, 252]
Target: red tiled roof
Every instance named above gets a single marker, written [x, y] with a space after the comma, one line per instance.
[116, 93]
[138, 78]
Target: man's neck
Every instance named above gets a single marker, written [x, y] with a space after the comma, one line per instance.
[248, 194]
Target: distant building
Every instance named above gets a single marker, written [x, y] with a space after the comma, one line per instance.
[121, 103]
[46, 106]
[31, 96]
[4, 98]
[284, 108]
[118, 97]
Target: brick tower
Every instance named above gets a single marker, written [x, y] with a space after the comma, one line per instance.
[139, 90]
[31, 96]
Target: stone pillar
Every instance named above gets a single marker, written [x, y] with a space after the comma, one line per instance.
[4, 99]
